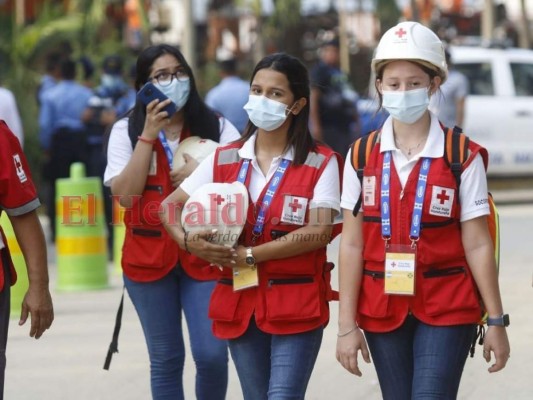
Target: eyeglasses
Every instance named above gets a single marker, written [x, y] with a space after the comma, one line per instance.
[165, 78]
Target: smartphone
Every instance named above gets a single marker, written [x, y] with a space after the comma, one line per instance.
[149, 93]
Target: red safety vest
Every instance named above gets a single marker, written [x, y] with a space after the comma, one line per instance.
[293, 293]
[149, 253]
[18, 194]
[445, 291]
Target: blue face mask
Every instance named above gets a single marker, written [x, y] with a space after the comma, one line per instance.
[178, 91]
[265, 113]
[406, 106]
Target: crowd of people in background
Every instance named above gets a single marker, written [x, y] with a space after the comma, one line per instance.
[289, 129]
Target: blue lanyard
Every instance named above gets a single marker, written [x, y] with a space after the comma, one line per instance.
[166, 147]
[269, 194]
[419, 198]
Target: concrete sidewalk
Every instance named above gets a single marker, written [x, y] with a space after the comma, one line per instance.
[66, 363]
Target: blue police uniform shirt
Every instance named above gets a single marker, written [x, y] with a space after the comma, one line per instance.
[229, 98]
[62, 107]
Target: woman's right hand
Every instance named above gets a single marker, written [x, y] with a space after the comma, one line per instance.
[198, 243]
[347, 348]
[156, 119]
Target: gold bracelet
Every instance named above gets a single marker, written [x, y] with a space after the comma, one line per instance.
[348, 332]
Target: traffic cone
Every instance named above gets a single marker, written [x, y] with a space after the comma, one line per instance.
[21, 287]
[81, 245]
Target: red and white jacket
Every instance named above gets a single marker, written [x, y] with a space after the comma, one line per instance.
[445, 291]
[149, 253]
[18, 195]
[293, 292]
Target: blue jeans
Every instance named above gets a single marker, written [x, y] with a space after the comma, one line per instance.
[159, 305]
[420, 361]
[274, 367]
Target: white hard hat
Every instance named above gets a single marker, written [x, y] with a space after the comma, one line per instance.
[411, 41]
[197, 147]
[220, 206]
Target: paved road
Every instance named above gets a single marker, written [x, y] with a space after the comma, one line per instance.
[66, 364]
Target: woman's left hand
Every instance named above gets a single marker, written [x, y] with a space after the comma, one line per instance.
[496, 341]
[179, 176]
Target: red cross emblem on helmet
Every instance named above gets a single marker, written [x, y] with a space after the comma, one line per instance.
[400, 32]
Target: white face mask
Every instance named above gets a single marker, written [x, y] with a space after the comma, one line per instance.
[406, 106]
[177, 91]
[265, 113]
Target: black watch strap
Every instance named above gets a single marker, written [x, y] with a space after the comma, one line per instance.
[502, 320]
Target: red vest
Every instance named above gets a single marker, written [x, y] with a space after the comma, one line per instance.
[11, 266]
[293, 293]
[445, 291]
[149, 253]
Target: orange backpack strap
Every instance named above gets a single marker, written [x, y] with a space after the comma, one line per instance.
[456, 152]
[361, 150]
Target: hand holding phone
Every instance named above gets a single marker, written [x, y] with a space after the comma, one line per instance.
[149, 93]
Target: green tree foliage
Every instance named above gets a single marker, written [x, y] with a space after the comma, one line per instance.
[388, 13]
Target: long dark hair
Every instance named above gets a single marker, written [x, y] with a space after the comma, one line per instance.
[200, 119]
[296, 73]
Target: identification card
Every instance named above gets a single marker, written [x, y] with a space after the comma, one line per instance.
[245, 277]
[369, 191]
[400, 267]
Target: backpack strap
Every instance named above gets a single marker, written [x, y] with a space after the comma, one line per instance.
[456, 152]
[113, 346]
[361, 150]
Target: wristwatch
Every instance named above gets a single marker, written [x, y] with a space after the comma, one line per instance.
[250, 259]
[502, 320]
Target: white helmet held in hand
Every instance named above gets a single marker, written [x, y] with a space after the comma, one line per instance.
[197, 147]
[217, 206]
[414, 42]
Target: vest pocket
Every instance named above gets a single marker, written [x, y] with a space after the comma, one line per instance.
[373, 302]
[144, 248]
[293, 299]
[448, 289]
[224, 301]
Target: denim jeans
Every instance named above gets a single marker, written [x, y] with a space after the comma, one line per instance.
[159, 305]
[274, 367]
[5, 309]
[420, 361]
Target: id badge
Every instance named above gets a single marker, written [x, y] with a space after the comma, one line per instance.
[400, 267]
[245, 277]
[369, 191]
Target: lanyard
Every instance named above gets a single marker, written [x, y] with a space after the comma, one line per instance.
[419, 199]
[166, 147]
[269, 194]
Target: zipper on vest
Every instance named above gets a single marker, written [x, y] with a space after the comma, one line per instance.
[439, 224]
[374, 274]
[290, 281]
[157, 188]
[401, 194]
[436, 273]
[146, 232]
[225, 281]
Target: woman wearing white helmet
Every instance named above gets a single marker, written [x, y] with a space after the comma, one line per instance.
[412, 260]
[273, 319]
